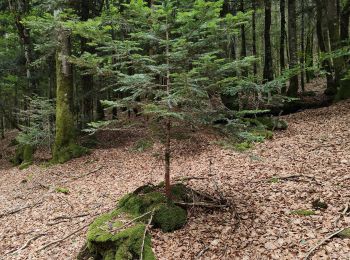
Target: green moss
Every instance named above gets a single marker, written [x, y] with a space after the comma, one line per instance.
[303, 212]
[69, 152]
[180, 192]
[169, 217]
[244, 146]
[265, 134]
[274, 180]
[23, 156]
[62, 190]
[110, 238]
[345, 233]
[344, 90]
[25, 165]
[122, 244]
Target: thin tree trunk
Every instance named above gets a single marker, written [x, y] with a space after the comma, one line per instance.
[302, 39]
[268, 67]
[334, 37]
[283, 34]
[167, 153]
[255, 68]
[344, 22]
[243, 41]
[292, 40]
[326, 64]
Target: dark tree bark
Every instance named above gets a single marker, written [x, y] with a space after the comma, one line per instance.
[283, 34]
[292, 43]
[302, 39]
[268, 67]
[326, 64]
[344, 22]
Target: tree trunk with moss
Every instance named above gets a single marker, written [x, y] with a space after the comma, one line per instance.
[65, 147]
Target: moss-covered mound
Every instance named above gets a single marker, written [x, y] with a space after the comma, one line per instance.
[119, 234]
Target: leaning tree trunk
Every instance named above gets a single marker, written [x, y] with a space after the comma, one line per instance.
[292, 43]
[65, 146]
[268, 67]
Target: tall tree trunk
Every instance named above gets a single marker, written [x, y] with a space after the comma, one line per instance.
[334, 37]
[302, 39]
[283, 34]
[268, 67]
[255, 67]
[344, 22]
[292, 40]
[65, 139]
[326, 64]
[2, 126]
[167, 152]
[87, 80]
[243, 40]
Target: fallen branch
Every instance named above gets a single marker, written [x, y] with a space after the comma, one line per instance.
[131, 221]
[87, 174]
[144, 234]
[70, 234]
[343, 214]
[190, 178]
[200, 204]
[62, 219]
[20, 209]
[64, 238]
[205, 249]
[24, 246]
[311, 251]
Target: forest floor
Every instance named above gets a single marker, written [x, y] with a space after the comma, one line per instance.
[315, 150]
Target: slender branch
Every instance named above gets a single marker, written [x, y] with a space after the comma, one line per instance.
[24, 246]
[144, 234]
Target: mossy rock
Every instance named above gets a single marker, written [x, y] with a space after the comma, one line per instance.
[345, 233]
[303, 212]
[169, 217]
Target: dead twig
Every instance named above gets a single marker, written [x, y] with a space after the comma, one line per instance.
[311, 251]
[183, 179]
[202, 252]
[131, 221]
[25, 245]
[343, 214]
[87, 174]
[20, 209]
[144, 234]
[62, 219]
[200, 204]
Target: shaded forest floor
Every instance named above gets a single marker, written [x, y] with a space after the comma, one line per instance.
[315, 149]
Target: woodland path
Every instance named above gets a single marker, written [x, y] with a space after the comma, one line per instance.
[317, 144]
